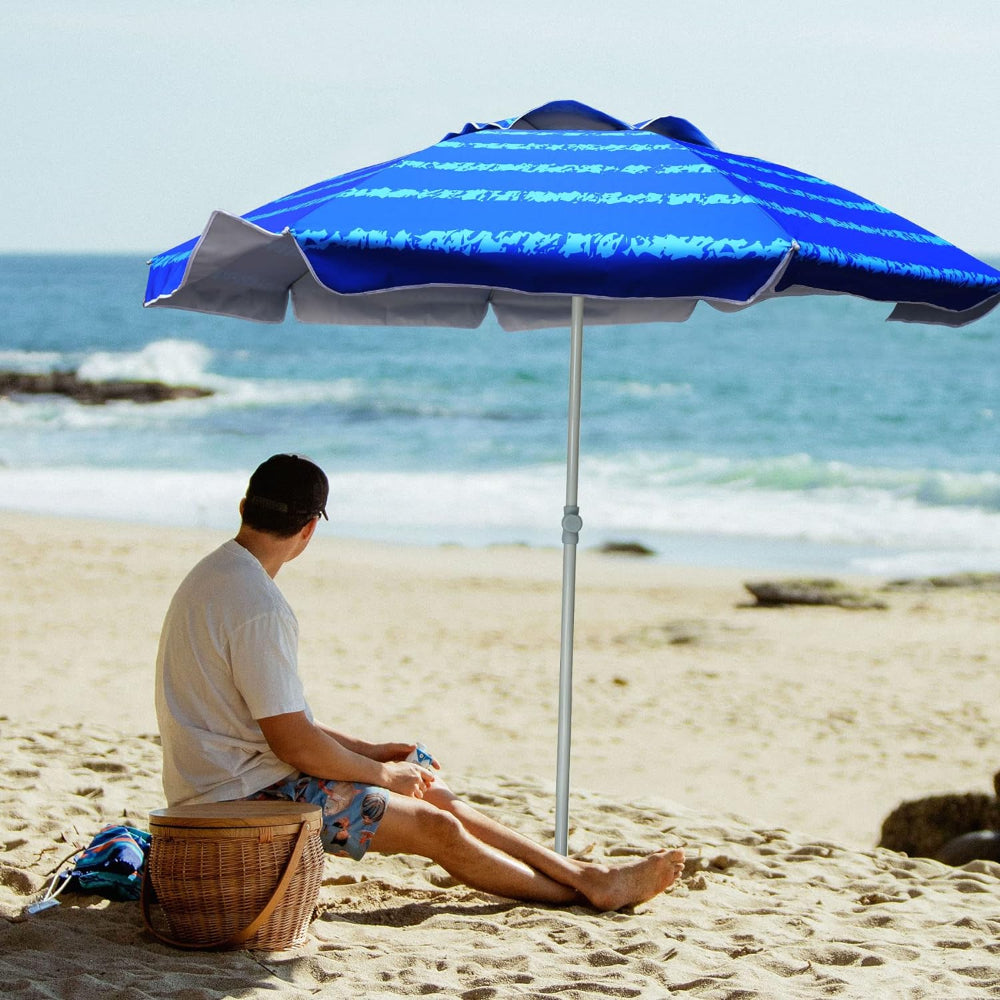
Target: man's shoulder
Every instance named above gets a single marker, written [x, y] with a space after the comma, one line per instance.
[230, 558]
[230, 573]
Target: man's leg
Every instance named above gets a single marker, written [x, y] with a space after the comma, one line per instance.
[606, 887]
[539, 870]
[501, 837]
[412, 826]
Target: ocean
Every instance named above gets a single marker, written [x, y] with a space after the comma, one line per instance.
[807, 434]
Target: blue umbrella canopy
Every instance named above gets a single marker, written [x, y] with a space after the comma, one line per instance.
[642, 220]
[560, 213]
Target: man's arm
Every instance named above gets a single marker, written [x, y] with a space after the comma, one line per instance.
[315, 750]
[383, 752]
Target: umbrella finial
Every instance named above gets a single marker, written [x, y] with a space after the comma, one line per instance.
[568, 115]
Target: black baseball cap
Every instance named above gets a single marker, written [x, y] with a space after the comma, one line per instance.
[289, 484]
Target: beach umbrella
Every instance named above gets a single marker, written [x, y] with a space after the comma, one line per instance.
[564, 214]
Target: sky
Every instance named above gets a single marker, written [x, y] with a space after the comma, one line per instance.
[127, 123]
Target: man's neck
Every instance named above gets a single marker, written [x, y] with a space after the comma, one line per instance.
[272, 553]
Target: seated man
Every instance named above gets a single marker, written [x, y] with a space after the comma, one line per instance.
[234, 723]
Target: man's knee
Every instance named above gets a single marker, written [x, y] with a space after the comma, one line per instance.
[440, 824]
[440, 795]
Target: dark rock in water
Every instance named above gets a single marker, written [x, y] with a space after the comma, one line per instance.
[775, 593]
[922, 827]
[94, 393]
[627, 549]
[980, 845]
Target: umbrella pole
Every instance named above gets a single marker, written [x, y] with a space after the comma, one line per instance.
[571, 524]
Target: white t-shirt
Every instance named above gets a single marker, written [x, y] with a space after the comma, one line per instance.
[228, 656]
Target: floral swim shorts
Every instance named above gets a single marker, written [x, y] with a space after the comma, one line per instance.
[351, 811]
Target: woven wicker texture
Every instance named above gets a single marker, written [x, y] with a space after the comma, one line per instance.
[213, 882]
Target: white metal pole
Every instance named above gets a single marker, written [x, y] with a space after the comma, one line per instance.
[571, 524]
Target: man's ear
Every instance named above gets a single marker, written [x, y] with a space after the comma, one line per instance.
[309, 529]
[243, 504]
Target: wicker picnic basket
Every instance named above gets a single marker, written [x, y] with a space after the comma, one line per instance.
[234, 874]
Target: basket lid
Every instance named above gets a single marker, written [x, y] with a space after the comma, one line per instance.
[236, 813]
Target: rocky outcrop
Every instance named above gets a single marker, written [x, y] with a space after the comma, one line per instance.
[95, 393]
[922, 827]
[777, 593]
[626, 549]
[955, 828]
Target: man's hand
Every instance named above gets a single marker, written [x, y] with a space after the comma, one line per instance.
[387, 752]
[407, 778]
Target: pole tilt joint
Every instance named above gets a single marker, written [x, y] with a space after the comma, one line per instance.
[571, 525]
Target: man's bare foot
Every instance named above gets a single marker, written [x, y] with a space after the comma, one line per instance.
[611, 888]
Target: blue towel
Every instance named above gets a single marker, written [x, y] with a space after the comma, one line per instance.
[111, 865]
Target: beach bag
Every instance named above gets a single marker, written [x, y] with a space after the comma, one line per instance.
[111, 865]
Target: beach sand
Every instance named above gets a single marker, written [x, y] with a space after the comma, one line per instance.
[770, 743]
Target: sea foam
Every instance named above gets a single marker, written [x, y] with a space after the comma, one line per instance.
[868, 534]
